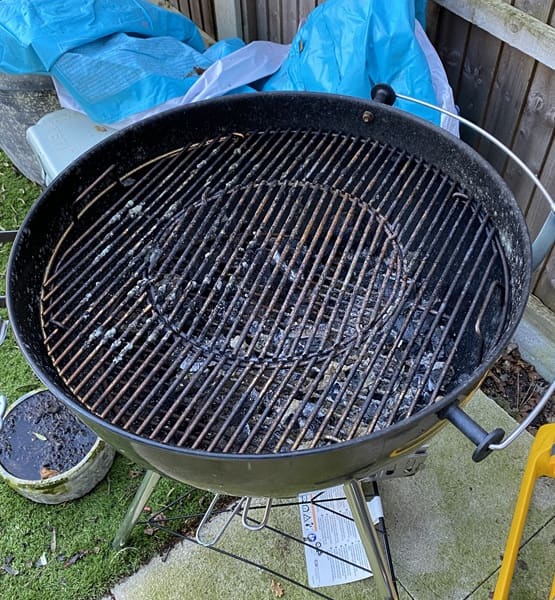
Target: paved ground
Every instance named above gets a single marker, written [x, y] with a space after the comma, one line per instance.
[447, 525]
[447, 528]
[535, 337]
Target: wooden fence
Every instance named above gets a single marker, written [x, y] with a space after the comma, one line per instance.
[499, 58]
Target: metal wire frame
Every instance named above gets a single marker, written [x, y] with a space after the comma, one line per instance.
[173, 526]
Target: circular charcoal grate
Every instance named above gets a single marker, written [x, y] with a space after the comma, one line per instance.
[303, 273]
[271, 291]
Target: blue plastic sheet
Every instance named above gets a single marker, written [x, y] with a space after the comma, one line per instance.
[35, 33]
[114, 58]
[348, 47]
[120, 75]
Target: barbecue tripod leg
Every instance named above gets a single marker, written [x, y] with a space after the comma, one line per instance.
[370, 540]
[135, 509]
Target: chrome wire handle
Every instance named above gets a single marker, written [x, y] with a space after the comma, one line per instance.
[541, 246]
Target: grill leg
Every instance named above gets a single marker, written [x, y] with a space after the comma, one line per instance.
[370, 541]
[135, 509]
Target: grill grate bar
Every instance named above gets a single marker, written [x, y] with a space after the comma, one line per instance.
[276, 422]
[438, 315]
[271, 430]
[313, 259]
[203, 279]
[63, 282]
[253, 222]
[117, 288]
[317, 380]
[195, 225]
[412, 324]
[187, 413]
[134, 361]
[276, 216]
[374, 348]
[73, 280]
[77, 252]
[229, 397]
[173, 431]
[281, 148]
[440, 223]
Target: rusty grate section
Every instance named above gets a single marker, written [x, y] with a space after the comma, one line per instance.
[271, 292]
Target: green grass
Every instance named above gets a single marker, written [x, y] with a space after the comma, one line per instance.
[80, 562]
[17, 194]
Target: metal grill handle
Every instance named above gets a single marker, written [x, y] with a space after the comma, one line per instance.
[477, 434]
[488, 442]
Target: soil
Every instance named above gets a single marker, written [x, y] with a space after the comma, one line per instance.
[517, 387]
[41, 438]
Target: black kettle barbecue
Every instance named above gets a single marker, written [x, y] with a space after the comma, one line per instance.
[265, 294]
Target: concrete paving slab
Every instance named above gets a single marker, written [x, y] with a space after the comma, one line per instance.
[534, 570]
[535, 337]
[447, 528]
[466, 510]
[195, 573]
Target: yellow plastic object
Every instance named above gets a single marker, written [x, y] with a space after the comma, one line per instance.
[541, 463]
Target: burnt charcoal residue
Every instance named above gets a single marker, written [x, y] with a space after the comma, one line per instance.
[41, 434]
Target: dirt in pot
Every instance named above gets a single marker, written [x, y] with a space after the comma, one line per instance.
[40, 438]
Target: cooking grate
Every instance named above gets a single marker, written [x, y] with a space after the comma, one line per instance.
[272, 291]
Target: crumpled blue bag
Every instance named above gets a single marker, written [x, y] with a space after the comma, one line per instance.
[348, 47]
[120, 75]
[114, 59]
[35, 33]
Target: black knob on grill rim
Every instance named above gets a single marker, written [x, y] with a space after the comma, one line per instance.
[474, 432]
[383, 93]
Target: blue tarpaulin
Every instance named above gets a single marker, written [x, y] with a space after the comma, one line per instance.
[35, 33]
[117, 59]
[348, 47]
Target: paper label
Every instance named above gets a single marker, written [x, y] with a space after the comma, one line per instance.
[326, 530]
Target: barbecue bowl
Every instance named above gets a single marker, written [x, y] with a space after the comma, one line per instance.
[68, 484]
[116, 327]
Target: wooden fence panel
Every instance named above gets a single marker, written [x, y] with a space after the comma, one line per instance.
[262, 20]
[544, 278]
[546, 281]
[278, 20]
[478, 71]
[513, 97]
[451, 39]
[533, 135]
[289, 19]
[248, 16]
[510, 88]
[199, 11]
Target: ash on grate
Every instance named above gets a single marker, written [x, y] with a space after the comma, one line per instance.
[349, 394]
